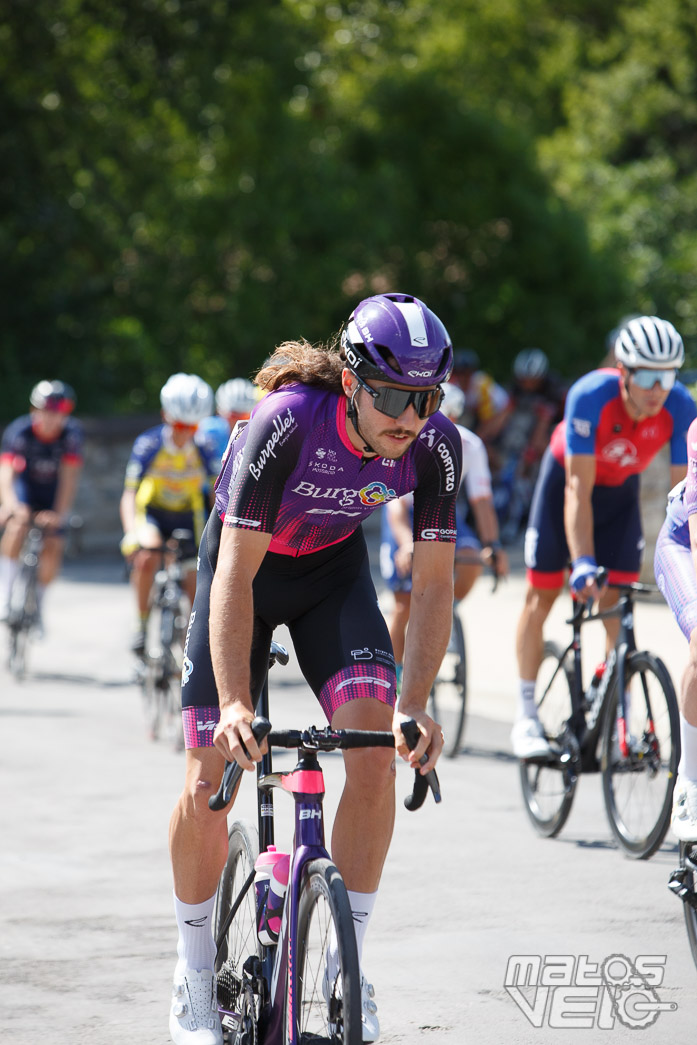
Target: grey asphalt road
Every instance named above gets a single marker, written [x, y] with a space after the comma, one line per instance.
[87, 937]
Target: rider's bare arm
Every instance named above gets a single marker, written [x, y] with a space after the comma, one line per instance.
[68, 478]
[230, 626]
[578, 510]
[429, 629]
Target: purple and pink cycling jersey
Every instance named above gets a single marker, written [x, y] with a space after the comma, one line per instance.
[673, 562]
[293, 472]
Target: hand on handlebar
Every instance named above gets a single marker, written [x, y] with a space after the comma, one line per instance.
[430, 742]
[584, 579]
[234, 738]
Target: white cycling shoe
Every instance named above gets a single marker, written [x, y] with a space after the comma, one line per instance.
[684, 816]
[369, 1012]
[528, 739]
[194, 1017]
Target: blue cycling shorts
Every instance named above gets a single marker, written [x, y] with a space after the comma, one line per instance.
[617, 533]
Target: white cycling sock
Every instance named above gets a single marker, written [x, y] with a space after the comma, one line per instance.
[362, 905]
[526, 699]
[688, 750]
[196, 945]
[8, 572]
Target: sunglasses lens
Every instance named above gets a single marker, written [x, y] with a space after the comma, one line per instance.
[394, 401]
[647, 378]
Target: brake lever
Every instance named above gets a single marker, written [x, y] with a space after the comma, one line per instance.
[233, 771]
[415, 800]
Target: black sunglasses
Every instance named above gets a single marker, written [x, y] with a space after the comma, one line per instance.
[394, 401]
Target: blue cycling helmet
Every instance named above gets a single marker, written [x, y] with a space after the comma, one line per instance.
[396, 338]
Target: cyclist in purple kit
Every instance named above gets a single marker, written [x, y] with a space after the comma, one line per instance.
[675, 565]
[337, 435]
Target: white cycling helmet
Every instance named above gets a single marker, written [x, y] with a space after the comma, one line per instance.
[648, 341]
[186, 398]
[530, 363]
[236, 396]
[453, 400]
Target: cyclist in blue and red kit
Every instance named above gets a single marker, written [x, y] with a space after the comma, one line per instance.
[338, 434]
[586, 502]
[40, 466]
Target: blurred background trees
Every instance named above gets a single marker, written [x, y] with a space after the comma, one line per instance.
[186, 183]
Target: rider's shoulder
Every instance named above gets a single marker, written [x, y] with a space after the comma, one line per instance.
[295, 403]
[150, 439]
[680, 398]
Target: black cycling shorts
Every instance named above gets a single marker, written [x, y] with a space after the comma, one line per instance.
[329, 603]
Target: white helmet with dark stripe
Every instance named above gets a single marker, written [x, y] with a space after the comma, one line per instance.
[187, 399]
[648, 341]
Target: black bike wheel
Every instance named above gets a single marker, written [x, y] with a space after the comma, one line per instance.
[327, 1000]
[549, 784]
[449, 691]
[239, 941]
[638, 790]
[688, 860]
[17, 661]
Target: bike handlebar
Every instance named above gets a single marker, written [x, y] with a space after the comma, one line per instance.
[328, 739]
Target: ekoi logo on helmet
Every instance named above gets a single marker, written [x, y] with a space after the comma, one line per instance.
[376, 493]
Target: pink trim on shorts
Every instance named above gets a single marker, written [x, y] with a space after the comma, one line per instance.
[358, 681]
[199, 724]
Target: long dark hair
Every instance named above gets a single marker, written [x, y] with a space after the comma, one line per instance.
[318, 365]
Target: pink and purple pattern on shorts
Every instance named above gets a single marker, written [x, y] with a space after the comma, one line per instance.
[199, 725]
[356, 681]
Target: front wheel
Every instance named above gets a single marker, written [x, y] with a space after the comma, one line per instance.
[688, 860]
[549, 784]
[237, 938]
[449, 691]
[638, 787]
[327, 997]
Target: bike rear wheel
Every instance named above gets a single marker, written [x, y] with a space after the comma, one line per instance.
[161, 677]
[239, 941]
[638, 790]
[688, 860]
[449, 691]
[549, 784]
[327, 992]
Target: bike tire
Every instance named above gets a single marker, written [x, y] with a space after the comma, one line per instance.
[17, 660]
[448, 699]
[326, 1012]
[241, 940]
[688, 860]
[638, 791]
[548, 787]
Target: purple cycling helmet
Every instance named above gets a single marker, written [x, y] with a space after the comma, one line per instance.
[396, 338]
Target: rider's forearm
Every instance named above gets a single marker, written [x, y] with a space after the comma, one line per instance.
[485, 520]
[578, 519]
[68, 478]
[430, 622]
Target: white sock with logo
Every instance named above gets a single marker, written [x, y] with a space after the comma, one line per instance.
[196, 945]
[688, 750]
[526, 699]
[362, 905]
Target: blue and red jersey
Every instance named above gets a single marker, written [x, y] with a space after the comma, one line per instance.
[292, 471]
[36, 462]
[596, 422]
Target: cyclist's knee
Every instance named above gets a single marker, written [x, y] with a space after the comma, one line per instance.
[201, 783]
[370, 771]
[539, 602]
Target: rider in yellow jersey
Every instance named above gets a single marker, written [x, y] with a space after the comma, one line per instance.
[167, 477]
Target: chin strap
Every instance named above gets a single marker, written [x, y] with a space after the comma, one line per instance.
[352, 414]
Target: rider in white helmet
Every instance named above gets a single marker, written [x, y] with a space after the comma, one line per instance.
[234, 400]
[168, 477]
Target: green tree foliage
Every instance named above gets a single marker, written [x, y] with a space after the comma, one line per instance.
[185, 183]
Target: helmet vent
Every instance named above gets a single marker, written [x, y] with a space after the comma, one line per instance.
[388, 357]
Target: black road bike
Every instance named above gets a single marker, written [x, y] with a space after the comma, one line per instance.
[624, 725]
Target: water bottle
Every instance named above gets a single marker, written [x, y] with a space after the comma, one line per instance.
[270, 883]
[595, 682]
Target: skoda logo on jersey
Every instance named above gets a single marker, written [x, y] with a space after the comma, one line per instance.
[375, 493]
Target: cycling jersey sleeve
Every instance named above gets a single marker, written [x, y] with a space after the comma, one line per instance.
[681, 406]
[584, 404]
[73, 439]
[142, 454]
[272, 443]
[439, 467]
